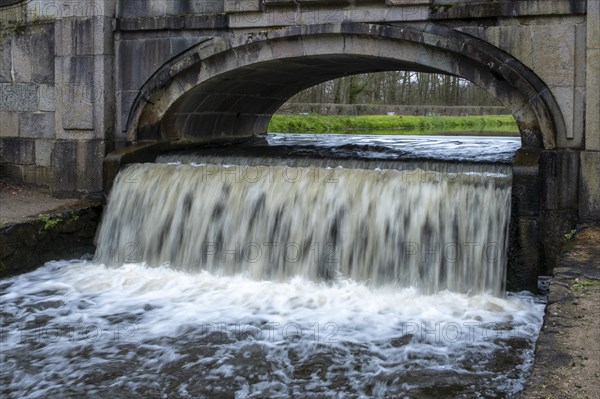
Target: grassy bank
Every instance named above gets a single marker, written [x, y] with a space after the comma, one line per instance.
[386, 124]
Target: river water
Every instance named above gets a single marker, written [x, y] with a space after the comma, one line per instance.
[285, 268]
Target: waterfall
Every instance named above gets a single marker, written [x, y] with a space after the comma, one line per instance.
[430, 229]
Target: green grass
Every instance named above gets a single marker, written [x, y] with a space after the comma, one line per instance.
[386, 124]
[582, 284]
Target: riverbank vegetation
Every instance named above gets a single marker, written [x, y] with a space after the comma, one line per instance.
[389, 124]
[397, 88]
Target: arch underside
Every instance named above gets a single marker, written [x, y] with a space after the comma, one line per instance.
[222, 90]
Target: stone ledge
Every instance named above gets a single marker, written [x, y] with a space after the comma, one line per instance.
[567, 354]
[31, 243]
[209, 21]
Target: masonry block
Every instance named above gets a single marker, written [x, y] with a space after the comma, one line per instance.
[554, 53]
[141, 8]
[64, 167]
[524, 255]
[17, 150]
[22, 58]
[36, 175]
[89, 36]
[233, 6]
[77, 167]
[9, 124]
[589, 195]
[42, 47]
[11, 171]
[554, 224]
[47, 98]
[5, 60]
[194, 7]
[592, 113]
[526, 184]
[18, 97]
[90, 157]
[43, 152]
[36, 125]
[559, 171]
[77, 93]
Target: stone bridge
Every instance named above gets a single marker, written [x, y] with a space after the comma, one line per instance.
[114, 81]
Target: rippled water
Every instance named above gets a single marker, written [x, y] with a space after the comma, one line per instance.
[364, 148]
[75, 329]
[440, 148]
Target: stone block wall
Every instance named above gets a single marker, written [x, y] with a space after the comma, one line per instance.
[56, 92]
[27, 103]
[70, 71]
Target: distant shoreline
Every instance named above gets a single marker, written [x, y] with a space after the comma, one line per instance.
[486, 125]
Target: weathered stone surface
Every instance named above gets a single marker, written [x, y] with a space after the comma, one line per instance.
[125, 101]
[27, 245]
[17, 150]
[565, 99]
[77, 166]
[451, 9]
[56, 9]
[18, 97]
[47, 98]
[42, 47]
[154, 52]
[142, 8]
[555, 226]
[524, 254]
[84, 37]
[197, 21]
[526, 183]
[28, 56]
[592, 115]
[153, 8]
[11, 171]
[77, 92]
[233, 6]
[36, 175]
[90, 154]
[64, 166]
[554, 54]
[559, 177]
[180, 44]
[5, 59]
[589, 197]
[194, 7]
[36, 125]
[593, 23]
[43, 152]
[22, 58]
[9, 124]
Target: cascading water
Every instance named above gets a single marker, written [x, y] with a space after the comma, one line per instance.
[405, 228]
[263, 277]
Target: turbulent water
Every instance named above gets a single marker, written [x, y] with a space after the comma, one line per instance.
[404, 228]
[229, 279]
[81, 329]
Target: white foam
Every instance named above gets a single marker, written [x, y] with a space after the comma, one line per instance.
[160, 314]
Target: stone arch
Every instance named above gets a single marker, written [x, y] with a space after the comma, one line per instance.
[229, 88]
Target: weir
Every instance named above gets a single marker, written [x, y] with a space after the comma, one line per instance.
[380, 225]
[224, 273]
